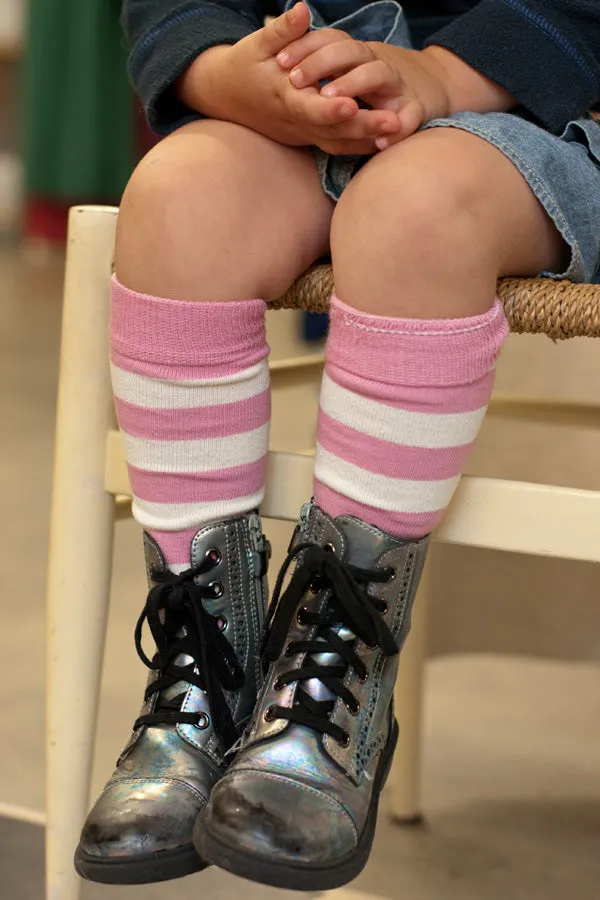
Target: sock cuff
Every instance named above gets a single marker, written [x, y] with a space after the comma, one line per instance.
[415, 351]
[146, 329]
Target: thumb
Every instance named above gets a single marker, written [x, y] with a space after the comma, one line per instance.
[280, 32]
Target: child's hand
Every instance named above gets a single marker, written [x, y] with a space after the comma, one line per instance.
[242, 83]
[416, 85]
[406, 82]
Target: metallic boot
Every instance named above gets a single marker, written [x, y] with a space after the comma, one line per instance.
[297, 808]
[201, 691]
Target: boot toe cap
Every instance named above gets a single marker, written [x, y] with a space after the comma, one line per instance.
[138, 817]
[275, 818]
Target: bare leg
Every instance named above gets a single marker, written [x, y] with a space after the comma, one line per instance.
[427, 227]
[218, 212]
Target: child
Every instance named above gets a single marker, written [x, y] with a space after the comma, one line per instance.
[426, 174]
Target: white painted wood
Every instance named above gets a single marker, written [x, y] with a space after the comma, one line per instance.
[289, 485]
[544, 411]
[81, 535]
[537, 519]
[23, 814]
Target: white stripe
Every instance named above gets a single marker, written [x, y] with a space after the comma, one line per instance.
[380, 491]
[178, 568]
[413, 429]
[179, 516]
[156, 393]
[207, 455]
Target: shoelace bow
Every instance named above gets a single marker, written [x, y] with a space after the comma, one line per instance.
[349, 605]
[180, 624]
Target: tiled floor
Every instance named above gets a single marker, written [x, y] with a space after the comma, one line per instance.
[512, 761]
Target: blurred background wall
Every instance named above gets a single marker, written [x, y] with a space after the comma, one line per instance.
[12, 20]
[69, 121]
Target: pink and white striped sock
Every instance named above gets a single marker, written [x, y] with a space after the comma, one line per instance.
[191, 386]
[401, 404]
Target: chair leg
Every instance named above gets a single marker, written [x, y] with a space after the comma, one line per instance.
[405, 776]
[81, 534]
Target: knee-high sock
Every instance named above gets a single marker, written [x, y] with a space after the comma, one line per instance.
[401, 404]
[191, 386]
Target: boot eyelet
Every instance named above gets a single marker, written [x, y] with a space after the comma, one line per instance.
[392, 574]
[278, 685]
[314, 587]
[269, 715]
[214, 556]
[222, 623]
[203, 722]
[353, 709]
[217, 589]
[300, 617]
[288, 651]
[329, 548]
[344, 741]
[384, 609]
[363, 678]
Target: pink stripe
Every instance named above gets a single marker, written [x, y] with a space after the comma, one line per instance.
[196, 423]
[405, 525]
[388, 458]
[176, 546]
[182, 333]
[414, 351]
[450, 398]
[198, 487]
[183, 372]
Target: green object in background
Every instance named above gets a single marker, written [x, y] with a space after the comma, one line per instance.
[79, 130]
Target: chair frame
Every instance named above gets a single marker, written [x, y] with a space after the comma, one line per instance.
[90, 481]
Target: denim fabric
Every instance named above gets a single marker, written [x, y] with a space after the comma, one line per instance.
[563, 171]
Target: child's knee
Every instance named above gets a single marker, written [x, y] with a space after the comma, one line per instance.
[409, 206]
[216, 210]
[188, 197]
[182, 175]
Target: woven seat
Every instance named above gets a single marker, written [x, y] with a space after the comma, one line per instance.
[558, 309]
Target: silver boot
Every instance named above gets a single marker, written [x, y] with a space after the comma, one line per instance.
[201, 691]
[297, 808]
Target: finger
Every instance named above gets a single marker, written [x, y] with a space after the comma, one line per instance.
[314, 40]
[309, 107]
[365, 124]
[364, 147]
[281, 31]
[372, 77]
[410, 119]
[331, 60]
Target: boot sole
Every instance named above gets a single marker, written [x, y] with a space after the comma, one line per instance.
[301, 877]
[162, 866]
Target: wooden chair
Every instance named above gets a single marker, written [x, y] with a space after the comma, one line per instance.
[91, 488]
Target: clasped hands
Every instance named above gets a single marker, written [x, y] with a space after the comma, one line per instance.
[404, 88]
[271, 82]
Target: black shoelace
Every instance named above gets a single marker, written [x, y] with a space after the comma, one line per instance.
[348, 605]
[180, 624]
